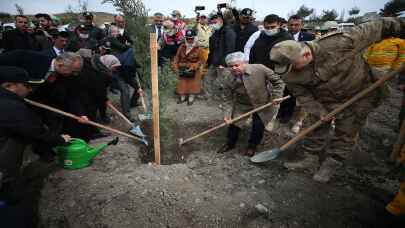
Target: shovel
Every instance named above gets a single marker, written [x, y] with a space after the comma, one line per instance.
[183, 141]
[135, 129]
[146, 115]
[274, 153]
[55, 110]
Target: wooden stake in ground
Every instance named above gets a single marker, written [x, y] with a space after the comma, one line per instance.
[155, 96]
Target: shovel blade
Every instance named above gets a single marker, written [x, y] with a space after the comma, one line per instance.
[136, 130]
[266, 156]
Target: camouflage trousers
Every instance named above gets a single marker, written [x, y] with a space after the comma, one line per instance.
[340, 143]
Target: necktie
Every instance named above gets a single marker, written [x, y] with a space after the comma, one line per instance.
[159, 33]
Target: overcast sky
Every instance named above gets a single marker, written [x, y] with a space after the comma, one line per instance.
[263, 7]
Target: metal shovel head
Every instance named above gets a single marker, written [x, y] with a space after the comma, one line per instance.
[266, 155]
[136, 130]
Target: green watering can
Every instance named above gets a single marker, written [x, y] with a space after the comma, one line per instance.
[77, 154]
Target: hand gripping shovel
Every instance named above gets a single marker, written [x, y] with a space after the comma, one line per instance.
[275, 101]
[274, 153]
[55, 110]
[136, 129]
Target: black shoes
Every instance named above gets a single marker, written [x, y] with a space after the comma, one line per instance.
[225, 148]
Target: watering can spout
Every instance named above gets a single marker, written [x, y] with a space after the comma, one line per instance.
[92, 152]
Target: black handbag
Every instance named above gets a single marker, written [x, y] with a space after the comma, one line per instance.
[185, 72]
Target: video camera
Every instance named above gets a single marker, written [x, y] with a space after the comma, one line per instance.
[199, 8]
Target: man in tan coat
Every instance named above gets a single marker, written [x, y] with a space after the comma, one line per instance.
[325, 73]
[251, 86]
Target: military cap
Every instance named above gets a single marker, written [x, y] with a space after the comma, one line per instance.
[17, 75]
[190, 33]
[284, 54]
[246, 12]
[87, 15]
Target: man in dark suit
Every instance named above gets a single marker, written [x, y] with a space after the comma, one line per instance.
[18, 38]
[157, 27]
[59, 90]
[60, 42]
[295, 25]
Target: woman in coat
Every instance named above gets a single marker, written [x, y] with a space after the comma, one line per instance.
[187, 64]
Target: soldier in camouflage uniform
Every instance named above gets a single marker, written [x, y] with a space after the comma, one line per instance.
[325, 73]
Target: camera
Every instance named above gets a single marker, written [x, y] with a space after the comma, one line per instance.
[199, 8]
[222, 5]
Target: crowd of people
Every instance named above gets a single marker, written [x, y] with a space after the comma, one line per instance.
[227, 56]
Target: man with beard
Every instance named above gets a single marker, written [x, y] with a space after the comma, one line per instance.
[18, 38]
[94, 32]
[43, 33]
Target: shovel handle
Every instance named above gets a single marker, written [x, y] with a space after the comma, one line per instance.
[55, 110]
[142, 95]
[181, 142]
[119, 113]
[339, 109]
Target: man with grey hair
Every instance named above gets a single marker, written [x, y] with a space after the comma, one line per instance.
[322, 75]
[251, 86]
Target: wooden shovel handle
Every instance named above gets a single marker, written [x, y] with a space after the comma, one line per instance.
[339, 109]
[234, 120]
[142, 95]
[119, 113]
[49, 108]
[398, 144]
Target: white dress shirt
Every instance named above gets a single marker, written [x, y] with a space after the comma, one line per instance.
[249, 44]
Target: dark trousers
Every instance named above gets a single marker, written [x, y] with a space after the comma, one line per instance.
[125, 97]
[11, 158]
[256, 133]
[287, 108]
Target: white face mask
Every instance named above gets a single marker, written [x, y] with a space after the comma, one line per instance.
[83, 35]
[216, 26]
[271, 32]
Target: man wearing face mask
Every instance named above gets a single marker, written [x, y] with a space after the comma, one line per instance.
[244, 28]
[221, 43]
[272, 34]
[81, 40]
[259, 49]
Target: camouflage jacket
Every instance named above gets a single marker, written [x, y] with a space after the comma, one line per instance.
[338, 70]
